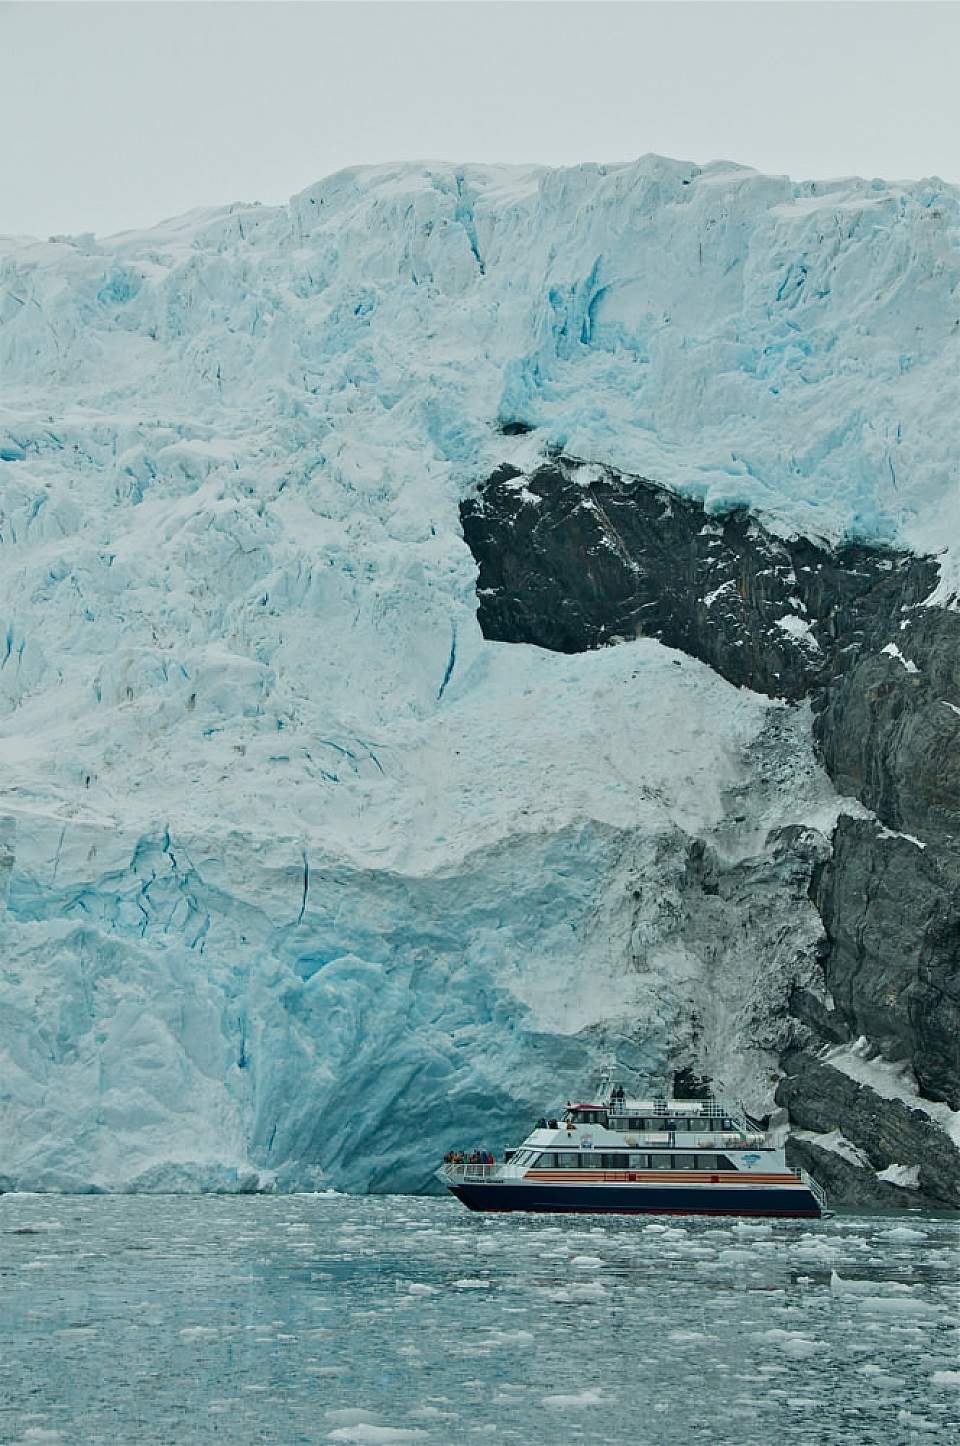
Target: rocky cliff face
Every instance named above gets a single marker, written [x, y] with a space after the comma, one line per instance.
[574, 556]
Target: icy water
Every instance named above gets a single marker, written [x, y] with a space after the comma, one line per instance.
[326, 1318]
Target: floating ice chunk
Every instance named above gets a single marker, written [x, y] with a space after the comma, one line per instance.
[587, 1262]
[898, 1305]
[589, 1290]
[914, 1422]
[468, 1284]
[842, 1286]
[510, 1338]
[793, 1344]
[199, 1333]
[882, 1379]
[903, 1232]
[578, 1402]
[364, 1431]
[946, 1378]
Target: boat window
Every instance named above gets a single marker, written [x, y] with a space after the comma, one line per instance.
[547, 1161]
[660, 1162]
[683, 1162]
[568, 1161]
[655, 1125]
[723, 1163]
[706, 1162]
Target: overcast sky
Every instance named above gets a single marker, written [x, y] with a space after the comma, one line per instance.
[117, 115]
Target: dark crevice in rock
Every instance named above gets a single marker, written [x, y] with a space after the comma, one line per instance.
[574, 556]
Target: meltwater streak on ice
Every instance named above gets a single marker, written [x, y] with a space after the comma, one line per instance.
[328, 1318]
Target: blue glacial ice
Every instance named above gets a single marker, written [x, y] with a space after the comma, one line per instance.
[301, 879]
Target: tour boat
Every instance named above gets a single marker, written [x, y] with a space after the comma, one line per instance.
[656, 1156]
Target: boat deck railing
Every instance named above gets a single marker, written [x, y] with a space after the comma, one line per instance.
[817, 1191]
[466, 1171]
[661, 1105]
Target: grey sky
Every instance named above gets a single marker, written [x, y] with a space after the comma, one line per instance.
[118, 115]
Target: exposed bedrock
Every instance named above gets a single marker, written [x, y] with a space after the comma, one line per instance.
[822, 1100]
[575, 556]
[891, 911]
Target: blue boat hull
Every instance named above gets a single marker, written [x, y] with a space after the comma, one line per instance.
[792, 1202]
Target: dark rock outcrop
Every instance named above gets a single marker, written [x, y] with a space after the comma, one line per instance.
[891, 910]
[822, 1099]
[573, 556]
[888, 726]
[848, 1182]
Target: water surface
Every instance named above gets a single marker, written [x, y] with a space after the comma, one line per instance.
[330, 1318]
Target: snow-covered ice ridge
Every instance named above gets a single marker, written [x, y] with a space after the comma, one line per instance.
[301, 876]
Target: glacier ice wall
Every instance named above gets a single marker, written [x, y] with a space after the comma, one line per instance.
[301, 877]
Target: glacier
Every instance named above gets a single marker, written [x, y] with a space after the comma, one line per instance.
[302, 879]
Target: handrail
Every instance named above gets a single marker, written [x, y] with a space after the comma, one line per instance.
[713, 1109]
[465, 1170]
[816, 1190]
